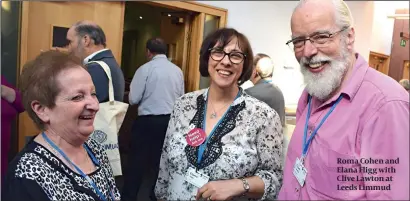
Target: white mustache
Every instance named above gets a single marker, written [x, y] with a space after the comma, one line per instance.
[315, 59]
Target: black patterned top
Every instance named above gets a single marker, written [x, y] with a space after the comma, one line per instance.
[37, 174]
[247, 142]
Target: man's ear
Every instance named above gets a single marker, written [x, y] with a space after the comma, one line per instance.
[41, 111]
[350, 39]
[86, 40]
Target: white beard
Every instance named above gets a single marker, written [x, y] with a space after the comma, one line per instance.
[321, 85]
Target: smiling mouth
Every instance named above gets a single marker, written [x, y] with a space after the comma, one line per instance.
[315, 65]
[224, 73]
[86, 117]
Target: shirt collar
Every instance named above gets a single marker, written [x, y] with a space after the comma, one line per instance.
[265, 80]
[357, 76]
[89, 57]
[159, 56]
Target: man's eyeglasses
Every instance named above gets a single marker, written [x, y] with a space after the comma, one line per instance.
[234, 57]
[319, 40]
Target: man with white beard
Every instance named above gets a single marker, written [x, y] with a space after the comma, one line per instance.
[350, 118]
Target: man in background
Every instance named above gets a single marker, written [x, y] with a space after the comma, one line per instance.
[155, 87]
[264, 90]
[87, 41]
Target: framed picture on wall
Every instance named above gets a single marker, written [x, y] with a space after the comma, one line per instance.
[59, 37]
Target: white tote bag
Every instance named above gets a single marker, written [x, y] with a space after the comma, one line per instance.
[107, 124]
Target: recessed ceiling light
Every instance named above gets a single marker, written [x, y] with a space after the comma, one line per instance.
[140, 17]
[169, 15]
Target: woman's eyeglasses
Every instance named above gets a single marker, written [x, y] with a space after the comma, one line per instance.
[234, 57]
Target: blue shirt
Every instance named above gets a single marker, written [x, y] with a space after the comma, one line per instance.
[155, 86]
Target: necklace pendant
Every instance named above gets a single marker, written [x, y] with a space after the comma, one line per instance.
[213, 115]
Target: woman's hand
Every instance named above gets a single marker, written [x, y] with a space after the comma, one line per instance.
[221, 190]
[8, 93]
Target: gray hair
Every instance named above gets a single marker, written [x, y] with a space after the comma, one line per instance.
[343, 16]
[405, 83]
[264, 71]
[92, 30]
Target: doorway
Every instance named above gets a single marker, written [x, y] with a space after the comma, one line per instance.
[380, 62]
[143, 21]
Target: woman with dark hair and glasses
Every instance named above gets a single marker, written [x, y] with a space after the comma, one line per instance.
[221, 143]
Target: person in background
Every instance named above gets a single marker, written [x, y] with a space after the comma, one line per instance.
[87, 41]
[239, 155]
[264, 90]
[406, 84]
[11, 106]
[351, 121]
[61, 162]
[155, 88]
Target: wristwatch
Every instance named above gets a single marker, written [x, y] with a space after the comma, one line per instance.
[245, 186]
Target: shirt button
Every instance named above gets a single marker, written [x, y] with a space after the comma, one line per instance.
[296, 190]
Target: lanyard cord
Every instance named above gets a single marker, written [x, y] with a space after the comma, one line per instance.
[306, 144]
[95, 161]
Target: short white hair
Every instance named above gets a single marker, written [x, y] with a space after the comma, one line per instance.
[264, 67]
[343, 16]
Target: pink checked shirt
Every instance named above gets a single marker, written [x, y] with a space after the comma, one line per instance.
[347, 158]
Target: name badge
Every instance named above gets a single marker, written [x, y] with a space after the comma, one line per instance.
[300, 172]
[196, 178]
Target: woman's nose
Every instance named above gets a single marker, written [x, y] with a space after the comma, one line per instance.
[225, 61]
[93, 103]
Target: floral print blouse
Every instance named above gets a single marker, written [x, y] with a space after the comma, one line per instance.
[248, 142]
